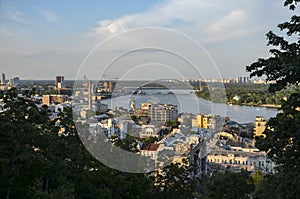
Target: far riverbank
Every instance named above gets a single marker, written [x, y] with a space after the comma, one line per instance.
[275, 106]
[270, 105]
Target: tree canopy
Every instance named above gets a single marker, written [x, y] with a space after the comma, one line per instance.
[283, 65]
[282, 141]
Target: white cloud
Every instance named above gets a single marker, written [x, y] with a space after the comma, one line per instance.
[216, 20]
[15, 15]
[49, 16]
[235, 18]
[201, 16]
[225, 28]
[236, 24]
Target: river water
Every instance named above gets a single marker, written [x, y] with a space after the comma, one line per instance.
[188, 102]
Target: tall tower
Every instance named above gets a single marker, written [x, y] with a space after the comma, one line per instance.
[90, 89]
[2, 79]
[59, 79]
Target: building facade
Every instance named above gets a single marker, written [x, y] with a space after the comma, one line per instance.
[54, 99]
[260, 126]
[209, 121]
[59, 80]
[157, 112]
[237, 160]
[163, 112]
[2, 78]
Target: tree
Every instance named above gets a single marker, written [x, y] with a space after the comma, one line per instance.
[283, 135]
[42, 158]
[281, 185]
[19, 133]
[282, 141]
[283, 132]
[257, 177]
[175, 181]
[283, 66]
[230, 185]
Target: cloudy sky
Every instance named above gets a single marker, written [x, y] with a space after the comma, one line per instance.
[42, 39]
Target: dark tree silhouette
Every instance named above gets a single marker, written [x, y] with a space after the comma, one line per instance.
[284, 64]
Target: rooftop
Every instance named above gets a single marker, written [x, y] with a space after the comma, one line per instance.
[150, 147]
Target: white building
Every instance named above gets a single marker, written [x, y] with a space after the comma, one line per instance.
[237, 160]
[148, 131]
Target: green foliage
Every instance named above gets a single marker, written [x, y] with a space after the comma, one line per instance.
[129, 143]
[173, 124]
[175, 181]
[249, 94]
[283, 135]
[282, 141]
[230, 185]
[283, 65]
[19, 134]
[281, 185]
[40, 158]
[291, 3]
[149, 139]
[258, 177]
[203, 94]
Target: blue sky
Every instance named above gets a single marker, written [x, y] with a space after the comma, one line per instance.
[42, 39]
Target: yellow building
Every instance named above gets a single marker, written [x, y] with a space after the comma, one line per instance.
[260, 126]
[202, 122]
[209, 121]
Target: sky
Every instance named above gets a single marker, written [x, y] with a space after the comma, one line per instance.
[96, 38]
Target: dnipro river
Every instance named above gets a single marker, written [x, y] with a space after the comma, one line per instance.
[188, 102]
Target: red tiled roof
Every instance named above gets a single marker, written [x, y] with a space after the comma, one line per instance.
[150, 147]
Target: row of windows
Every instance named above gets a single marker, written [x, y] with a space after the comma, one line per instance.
[148, 132]
[260, 163]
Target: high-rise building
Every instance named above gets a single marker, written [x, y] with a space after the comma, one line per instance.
[163, 112]
[14, 81]
[158, 112]
[59, 80]
[2, 79]
[90, 93]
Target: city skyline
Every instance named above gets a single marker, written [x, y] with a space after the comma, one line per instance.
[43, 39]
